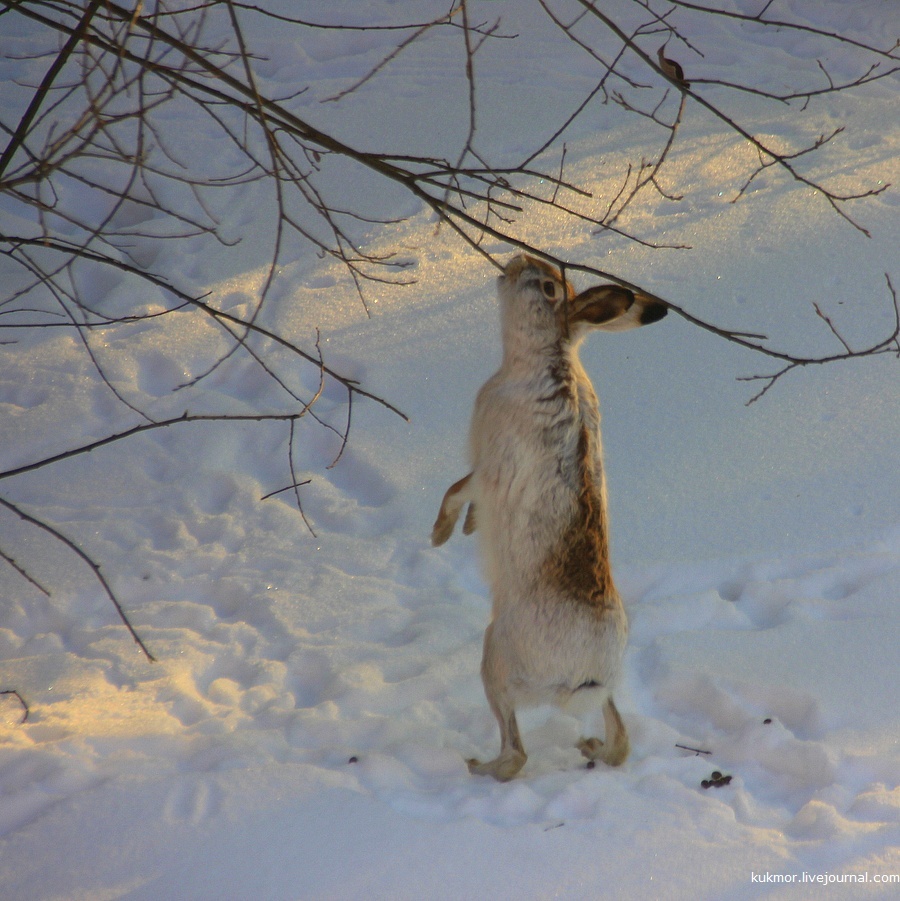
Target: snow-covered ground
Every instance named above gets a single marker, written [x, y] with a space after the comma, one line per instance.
[304, 732]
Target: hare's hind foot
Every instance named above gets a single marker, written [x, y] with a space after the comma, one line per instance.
[594, 749]
[503, 768]
[614, 751]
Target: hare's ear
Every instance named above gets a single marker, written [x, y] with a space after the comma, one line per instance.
[600, 304]
[612, 308]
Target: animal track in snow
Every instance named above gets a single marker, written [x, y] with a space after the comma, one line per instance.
[774, 593]
[309, 675]
[194, 801]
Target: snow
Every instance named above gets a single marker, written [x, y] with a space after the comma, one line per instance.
[304, 732]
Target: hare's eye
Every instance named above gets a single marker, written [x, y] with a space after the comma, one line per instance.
[550, 289]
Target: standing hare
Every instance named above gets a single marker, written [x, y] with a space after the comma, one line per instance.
[537, 497]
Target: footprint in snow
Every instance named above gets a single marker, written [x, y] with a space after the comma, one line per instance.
[192, 802]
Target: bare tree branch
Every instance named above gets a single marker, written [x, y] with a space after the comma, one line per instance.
[91, 563]
[768, 156]
[760, 18]
[21, 700]
[351, 385]
[23, 573]
[96, 124]
[890, 345]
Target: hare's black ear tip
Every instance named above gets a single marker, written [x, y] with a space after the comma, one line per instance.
[653, 312]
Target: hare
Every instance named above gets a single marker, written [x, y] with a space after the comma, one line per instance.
[537, 498]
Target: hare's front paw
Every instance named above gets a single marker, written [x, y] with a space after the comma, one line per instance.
[471, 523]
[503, 768]
[456, 497]
[442, 529]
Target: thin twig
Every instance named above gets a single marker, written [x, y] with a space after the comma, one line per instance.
[146, 427]
[23, 573]
[695, 751]
[91, 563]
[831, 325]
[59, 62]
[93, 256]
[25, 708]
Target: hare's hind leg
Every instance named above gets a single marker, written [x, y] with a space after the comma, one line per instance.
[614, 750]
[512, 755]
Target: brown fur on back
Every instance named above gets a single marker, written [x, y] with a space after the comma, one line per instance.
[579, 564]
